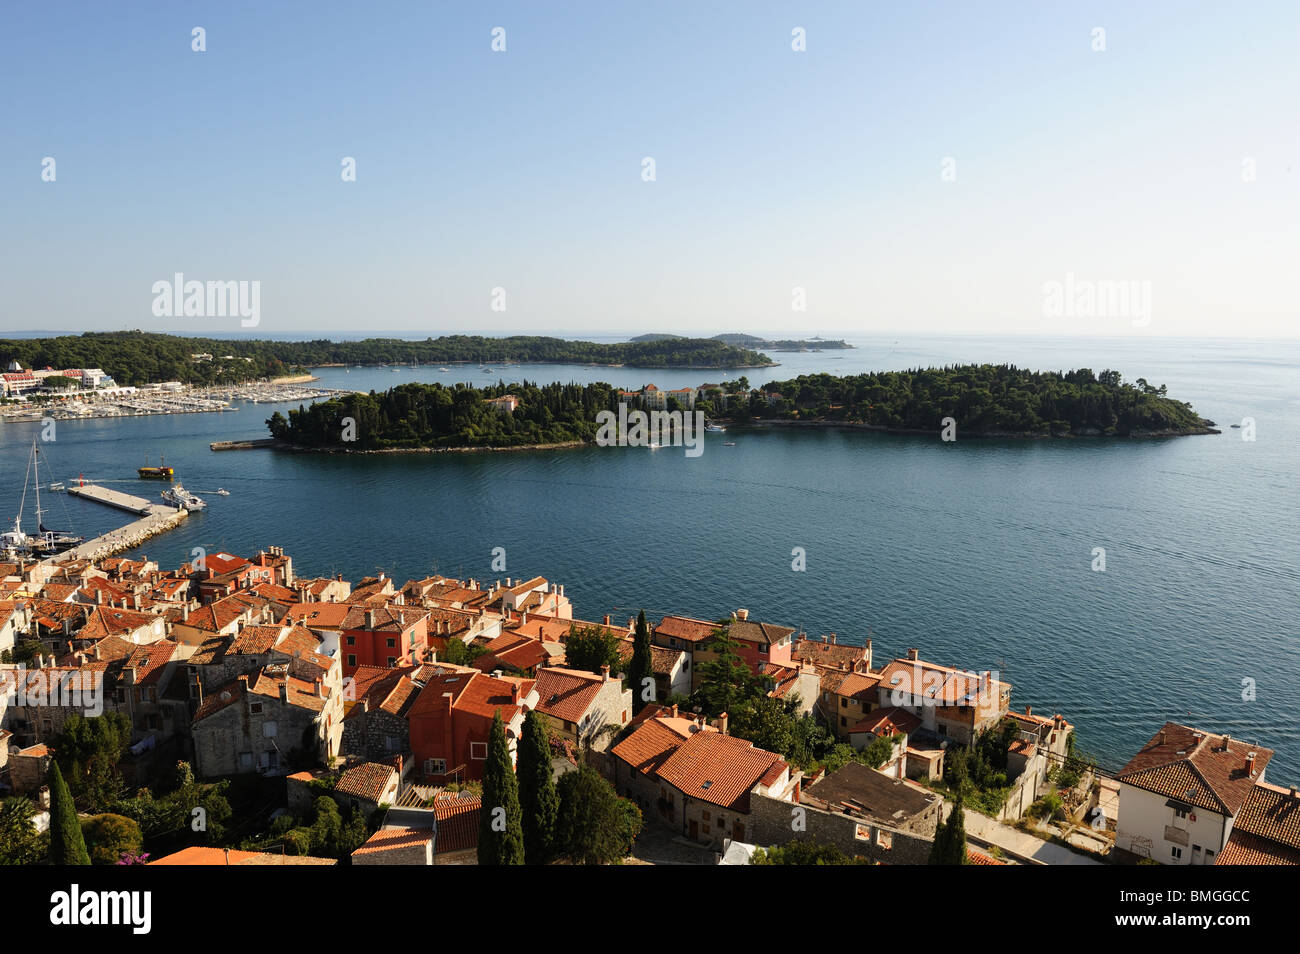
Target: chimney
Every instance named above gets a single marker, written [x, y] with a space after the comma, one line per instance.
[911, 654]
[449, 697]
[674, 710]
[320, 688]
[1163, 735]
[1029, 710]
[742, 614]
[604, 673]
[136, 600]
[825, 639]
[370, 619]
[606, 619]
[198, 685]
[243, 682]
[95, 650]
[284, 690]
[833, 638]
[514, 693]
[99, 596]
[185, 612]
[1250, 763]
[722, 723]
[561, 591]
[523, 618]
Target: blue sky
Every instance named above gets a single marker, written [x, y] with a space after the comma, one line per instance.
[775, 169]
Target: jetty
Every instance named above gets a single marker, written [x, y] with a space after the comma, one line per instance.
[244, 445]
[154, 519]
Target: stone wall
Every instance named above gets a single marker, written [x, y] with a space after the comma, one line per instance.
[772, 823]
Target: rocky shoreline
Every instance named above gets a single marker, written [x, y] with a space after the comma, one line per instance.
[1207, 427]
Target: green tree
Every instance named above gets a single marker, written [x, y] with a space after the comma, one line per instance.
[67, 846]
[641, 666]
[590, 647]
[88, 751]
[20, 842]
[801, 852]
[500, 834]
[879, 751]
[109, 836]
[539, 803]
[725, 680]
[950, 838]
[595, 826]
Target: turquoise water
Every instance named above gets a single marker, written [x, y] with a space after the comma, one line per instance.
[977, 552]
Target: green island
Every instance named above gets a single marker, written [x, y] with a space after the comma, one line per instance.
[984, 400]
[140, 357]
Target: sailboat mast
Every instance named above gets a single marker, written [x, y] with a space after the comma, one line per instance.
[36, 471]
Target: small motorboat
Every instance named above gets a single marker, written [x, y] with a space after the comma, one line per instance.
[728, 443]
[182, 499]
[223, 492]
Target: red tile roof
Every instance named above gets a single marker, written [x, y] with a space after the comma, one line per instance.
[716, 768]
[684, 627]
[458, 817]
[566, 694]
[367, 780]
[1207, 772]
[390, 839]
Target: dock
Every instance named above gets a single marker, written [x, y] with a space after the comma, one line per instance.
[244, 445]
[113, 498]
[154, 519]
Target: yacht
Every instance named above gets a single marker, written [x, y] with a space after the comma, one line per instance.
[182, 499]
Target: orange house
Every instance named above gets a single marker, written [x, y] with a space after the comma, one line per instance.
[383, 636]
[451, 721]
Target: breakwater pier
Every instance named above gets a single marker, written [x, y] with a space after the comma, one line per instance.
[153, 520]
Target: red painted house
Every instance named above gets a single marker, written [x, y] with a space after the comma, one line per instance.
[451, 720]
[383, 636]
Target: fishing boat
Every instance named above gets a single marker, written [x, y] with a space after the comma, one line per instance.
[182, 499]
[161, 472]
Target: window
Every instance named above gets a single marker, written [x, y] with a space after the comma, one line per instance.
[1179, 813]
[255, 708]
[352, 640]
[245, 761]
[352, 659]
[843, 702]
[435, 766]
[390, 743]
[392, 643]
[478, 750]
[269, 729]
[1176, 852]
[884, 839]
[1209, 856]
[843, 721]
[707, 816]
[392, 661]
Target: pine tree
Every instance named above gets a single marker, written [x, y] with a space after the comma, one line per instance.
[500, 836]
[950, 838]
[642, 665]
[67, 844]
[538, 802]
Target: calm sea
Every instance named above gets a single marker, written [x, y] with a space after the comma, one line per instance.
[979, 553]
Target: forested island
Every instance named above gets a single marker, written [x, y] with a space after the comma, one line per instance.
[415, 416]
[983, 400]
[138, 357]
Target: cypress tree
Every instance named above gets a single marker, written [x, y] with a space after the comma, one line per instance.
[950, 838]
[539, 804]
[67, 844]
[641, 666]
[500, 837]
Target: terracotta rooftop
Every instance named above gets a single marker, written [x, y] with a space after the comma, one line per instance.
[367, 780]
[716, 768]
[566, 694]
[458, 817]
[1197, 768]
[684, 627]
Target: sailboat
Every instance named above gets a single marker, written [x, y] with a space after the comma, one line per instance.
[16, 542]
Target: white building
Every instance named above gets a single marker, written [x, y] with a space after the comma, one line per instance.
[1180, 795]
